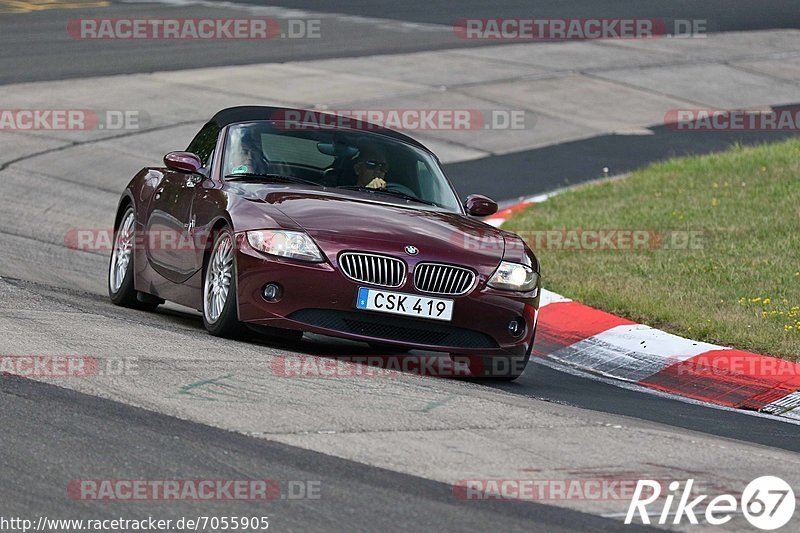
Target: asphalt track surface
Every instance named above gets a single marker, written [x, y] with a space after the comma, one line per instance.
[722, 15]
[541, 381]
[89, 435]
[36, 46]
[51, 435]
[569, 163]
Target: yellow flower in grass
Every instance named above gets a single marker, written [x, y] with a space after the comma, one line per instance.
[766, 301]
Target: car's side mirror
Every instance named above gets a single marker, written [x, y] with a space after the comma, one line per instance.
[478, 205]
[182, 161]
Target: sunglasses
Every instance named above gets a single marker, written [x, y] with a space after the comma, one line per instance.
[377, 165]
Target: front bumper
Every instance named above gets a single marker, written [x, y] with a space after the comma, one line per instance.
[318, 298]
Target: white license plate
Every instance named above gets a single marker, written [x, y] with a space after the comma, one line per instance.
[400, 303]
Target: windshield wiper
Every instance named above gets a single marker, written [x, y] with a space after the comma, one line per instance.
[245, 176]
[391, 193]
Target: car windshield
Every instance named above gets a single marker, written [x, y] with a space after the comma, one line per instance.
[368, 163]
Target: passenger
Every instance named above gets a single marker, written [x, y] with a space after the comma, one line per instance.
[248, 155]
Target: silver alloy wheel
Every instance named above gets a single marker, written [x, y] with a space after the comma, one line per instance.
[217, 284]
[121, 256]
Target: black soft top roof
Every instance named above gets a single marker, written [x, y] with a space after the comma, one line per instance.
[232, 115]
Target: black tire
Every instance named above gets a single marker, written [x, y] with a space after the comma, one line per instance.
[226, 322]
[124, 294]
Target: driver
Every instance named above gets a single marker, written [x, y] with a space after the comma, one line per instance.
[371, 168]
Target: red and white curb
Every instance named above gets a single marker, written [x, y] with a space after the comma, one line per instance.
[592, 340]
[504, 214]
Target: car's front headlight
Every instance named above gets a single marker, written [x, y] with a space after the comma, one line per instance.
[514, 277]
[291, 244]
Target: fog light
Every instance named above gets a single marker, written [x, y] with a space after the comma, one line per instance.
[272, 292]
[516, 327]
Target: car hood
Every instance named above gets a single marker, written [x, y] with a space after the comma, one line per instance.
[340, 222]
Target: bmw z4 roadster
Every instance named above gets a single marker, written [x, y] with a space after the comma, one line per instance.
[304, 221]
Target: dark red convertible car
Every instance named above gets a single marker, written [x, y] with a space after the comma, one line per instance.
[306, 221]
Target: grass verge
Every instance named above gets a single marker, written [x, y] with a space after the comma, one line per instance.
[717, 250]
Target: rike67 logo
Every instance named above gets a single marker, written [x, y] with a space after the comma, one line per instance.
[767, 503]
